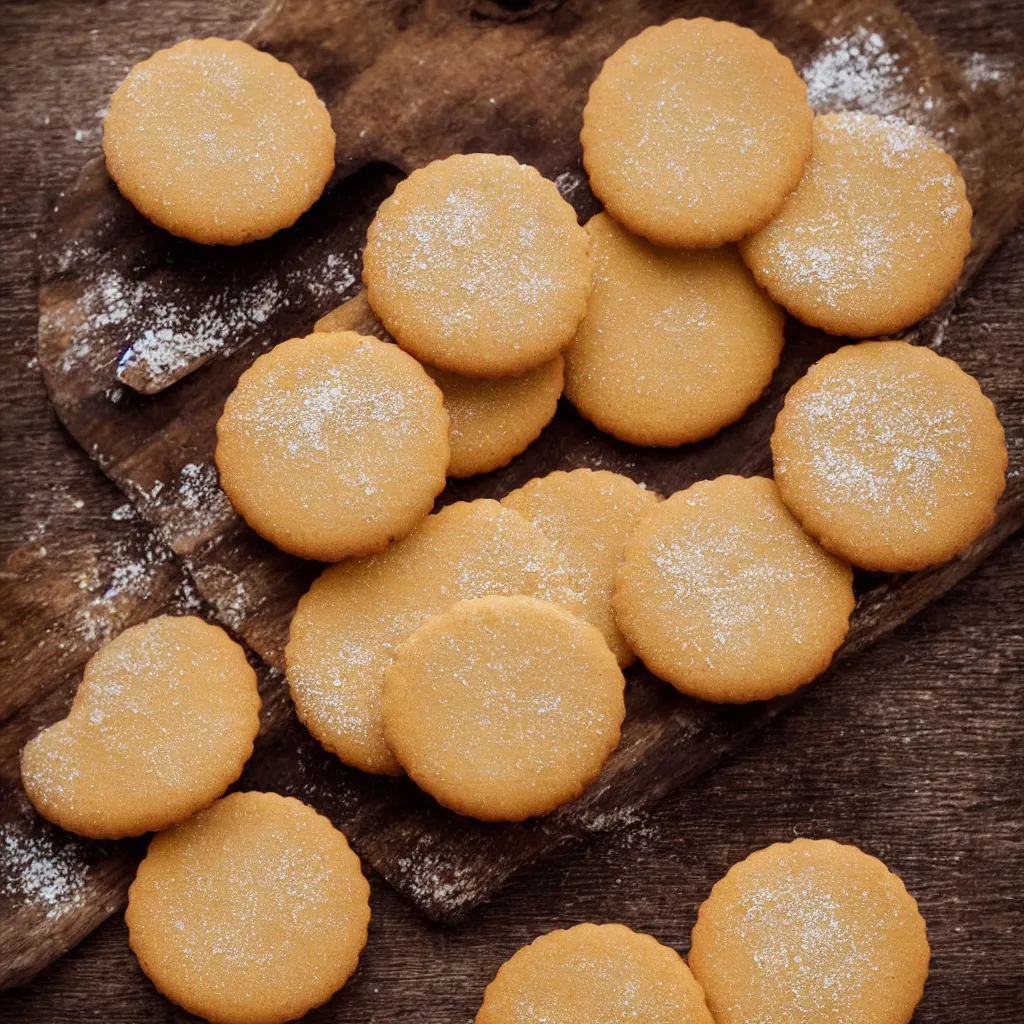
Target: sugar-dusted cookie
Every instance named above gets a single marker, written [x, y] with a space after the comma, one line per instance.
[874, 237]
[890, 455]
[503, 707]
[492, 421]
[722, 594]
[252, 912]
[346, 627]
[695, 132]
[810, 932]
[476, 265]
[594, 974]
[218, 142]
[675, 345]
[333, 445]
[161, 724]
[589, 514]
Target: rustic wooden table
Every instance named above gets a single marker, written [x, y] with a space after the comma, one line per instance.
[917, 757]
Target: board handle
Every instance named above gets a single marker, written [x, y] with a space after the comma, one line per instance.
[143, 376]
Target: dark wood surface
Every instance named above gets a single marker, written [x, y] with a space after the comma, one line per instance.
[110, 280]
[915, 755]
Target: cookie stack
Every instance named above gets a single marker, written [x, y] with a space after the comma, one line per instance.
[479, 649]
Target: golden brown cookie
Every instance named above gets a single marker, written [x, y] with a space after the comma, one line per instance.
[722, 594]
[252, 912]
[476, 265]
[346, 627]
[810, 932]
[890, 455]
[161, 724]
[218, 142]
[492, 421]
[333, 445]
[594, 974]
[352, 315]
[695, 132]
[503, 708]
[589, 514]
[874, 237]
[675, 345]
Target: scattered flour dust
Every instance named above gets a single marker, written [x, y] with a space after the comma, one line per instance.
[197, 508]
[431, 876]
[981, 69]
[197, 486]
[169, 337]
[569, 183]
[856, 72]
[162, 330]
[226, 592]
[120, 572]
[35, 871]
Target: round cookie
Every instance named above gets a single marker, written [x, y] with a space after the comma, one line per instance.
[346, 627]
[594, 974]
[161, 724]
[589, 514]
[695, 132]
[890, 455]
[874, 237]
[476, 265]
[675, 345]
[503, 708]
[218, 142]
[252, 912]
[810, 932]
[333, 445]
[721, 593]
[492, 421]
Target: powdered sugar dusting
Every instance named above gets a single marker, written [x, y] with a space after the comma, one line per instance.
[983, 69]
[477, 258]
[169, 338]
[429, 877]
[736, 581]
[325, 430]
[883, 438]
[810, 931]
[872, 233]
[195, 510]
[127, 574]
[333, 278]
[36, 871]
[569, 183]
[163, 331]
[227, 592]
[856, 72]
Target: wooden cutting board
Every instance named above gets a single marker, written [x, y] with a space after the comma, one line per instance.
[143, 336]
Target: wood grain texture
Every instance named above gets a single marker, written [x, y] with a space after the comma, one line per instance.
[406, 960]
